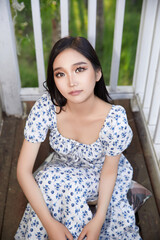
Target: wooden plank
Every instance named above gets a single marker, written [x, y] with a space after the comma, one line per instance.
[135, 157]
[15, 202]
[151, 158]
[15, 206]
[149, 218]
[6, 150]
[148, 215]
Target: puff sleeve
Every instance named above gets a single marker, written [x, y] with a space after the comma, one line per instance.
[116, 134]
[38, 121]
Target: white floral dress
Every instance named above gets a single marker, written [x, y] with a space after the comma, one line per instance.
[69, 178]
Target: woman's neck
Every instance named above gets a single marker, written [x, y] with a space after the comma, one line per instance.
[82, 109]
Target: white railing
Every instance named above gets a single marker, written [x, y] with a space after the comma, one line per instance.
[145, 90]
[146, 83]
[14, 94]
[146, 80]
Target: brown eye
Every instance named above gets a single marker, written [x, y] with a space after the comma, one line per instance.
[59, 74]
[80, 69]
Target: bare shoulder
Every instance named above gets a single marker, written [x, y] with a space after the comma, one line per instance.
[104, 106]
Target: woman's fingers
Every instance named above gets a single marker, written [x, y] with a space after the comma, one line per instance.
[82, 235]
[68, 234]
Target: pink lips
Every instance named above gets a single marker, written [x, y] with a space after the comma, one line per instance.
[75, 93]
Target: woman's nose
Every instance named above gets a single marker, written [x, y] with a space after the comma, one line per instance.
[72, 81]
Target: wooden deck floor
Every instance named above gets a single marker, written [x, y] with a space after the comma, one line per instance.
[13, 202]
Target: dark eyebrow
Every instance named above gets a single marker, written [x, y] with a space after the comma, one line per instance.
[58, 68]
[75, 64]
[79, 63]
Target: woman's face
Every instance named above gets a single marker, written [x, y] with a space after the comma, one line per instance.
[75, 76]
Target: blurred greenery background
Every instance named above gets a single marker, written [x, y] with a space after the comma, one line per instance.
[50, 16]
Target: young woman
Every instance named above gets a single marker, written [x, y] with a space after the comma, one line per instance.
[88, 136]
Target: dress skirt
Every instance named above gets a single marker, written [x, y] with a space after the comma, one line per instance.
[67, 191]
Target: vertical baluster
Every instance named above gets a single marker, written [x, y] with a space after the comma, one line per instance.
[64, 14]
[156, 137]
[9, 70]
[152, 65]
[118, 31]
[154, 107]
[38, 42]
[147, 25]
[92, 12]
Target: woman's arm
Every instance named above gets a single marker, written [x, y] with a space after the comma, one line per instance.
[107, 182]
[106, 186]
[26, 180]
[31, 190]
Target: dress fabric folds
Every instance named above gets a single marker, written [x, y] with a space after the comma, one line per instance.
[69, 177]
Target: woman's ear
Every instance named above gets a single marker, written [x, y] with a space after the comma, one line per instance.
[98, 75]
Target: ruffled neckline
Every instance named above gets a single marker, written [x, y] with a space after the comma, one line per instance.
[85, 144]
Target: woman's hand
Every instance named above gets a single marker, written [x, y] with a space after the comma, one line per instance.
[91, 230]
[57, 231]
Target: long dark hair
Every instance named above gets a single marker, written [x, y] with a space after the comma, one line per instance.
[83, 46]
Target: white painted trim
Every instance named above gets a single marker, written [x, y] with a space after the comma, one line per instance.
[9, 68]
[152, 163]
[64, 14]
[154, 107]
[117, 43]
[157, 148]
[38, 42]
[30, 94]
[156, 137]
[145, 44]
[139, 43]
[92, 13]
[1, 119]
[153, 64]
[122, 92]
[154, 154]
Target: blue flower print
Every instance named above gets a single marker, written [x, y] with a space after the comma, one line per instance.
[69, 177]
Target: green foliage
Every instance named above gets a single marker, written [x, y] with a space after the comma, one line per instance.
[78, 22]
[129, 41]
[105, 44]
[25, 38]
[78, 18]
[50, 19]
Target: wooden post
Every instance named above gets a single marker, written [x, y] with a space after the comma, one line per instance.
[9, 71]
